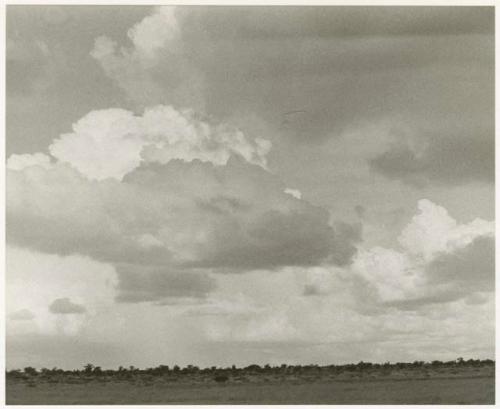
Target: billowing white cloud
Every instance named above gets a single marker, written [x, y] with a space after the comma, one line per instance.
[155, 31]
[167, 189]
[111, 143]
[433, 230]
[441, 260]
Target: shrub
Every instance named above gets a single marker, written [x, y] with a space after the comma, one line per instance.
[30, 371]
[221, 378]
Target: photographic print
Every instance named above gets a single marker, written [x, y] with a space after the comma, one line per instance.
[255, 205]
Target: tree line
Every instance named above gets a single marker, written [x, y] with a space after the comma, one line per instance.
[162, 370]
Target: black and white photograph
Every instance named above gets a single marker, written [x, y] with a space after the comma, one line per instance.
[249, 204]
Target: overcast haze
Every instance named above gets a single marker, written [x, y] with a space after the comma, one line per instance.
[238, 185]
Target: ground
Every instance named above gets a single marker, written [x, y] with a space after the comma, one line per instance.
[459, 385]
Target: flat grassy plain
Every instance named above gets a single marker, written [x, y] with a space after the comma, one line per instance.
[461, 385]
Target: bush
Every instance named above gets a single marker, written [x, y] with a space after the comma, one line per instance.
[30, 371]
[221, 378]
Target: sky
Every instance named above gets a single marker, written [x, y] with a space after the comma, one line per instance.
[249, 185]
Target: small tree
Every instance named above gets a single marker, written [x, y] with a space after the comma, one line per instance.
[163, 369]
[30, 371]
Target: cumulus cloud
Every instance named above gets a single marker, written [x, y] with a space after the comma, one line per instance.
[433, 230]
[180, 214]
[170, 196]
[66, 306]
[110, 143]
[154, 69]
[440, 261]
[155, 31]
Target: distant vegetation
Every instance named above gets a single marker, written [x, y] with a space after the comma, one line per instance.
[221, 375]
[454, 382]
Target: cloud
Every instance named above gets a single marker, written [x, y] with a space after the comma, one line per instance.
[413, 76]
[179, 214]
[432, 230]
[154, 70]
[34, 280]
[388, 271]
[19, 162]
[335, 319]
[443, 159]
[137, 284]
[173, 206]
[340, 22]
[440, 261]
[294, 192]
[155, 31]
[65, 306]
[472, 266]
[21, 315]
[111, 143]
